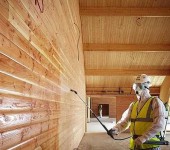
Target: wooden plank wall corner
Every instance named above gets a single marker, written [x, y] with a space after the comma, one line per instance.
[41, 58]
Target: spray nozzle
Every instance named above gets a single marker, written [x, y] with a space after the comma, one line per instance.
[73, 91]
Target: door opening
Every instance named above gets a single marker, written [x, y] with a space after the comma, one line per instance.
[103, 110]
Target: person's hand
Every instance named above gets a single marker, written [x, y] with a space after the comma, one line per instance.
[138, 141]
[112, 131]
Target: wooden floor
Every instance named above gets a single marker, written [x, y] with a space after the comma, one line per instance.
[101, 141]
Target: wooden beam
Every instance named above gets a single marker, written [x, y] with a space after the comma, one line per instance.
[101, 96]
[112, 89]
[113, 11]
[118, 72]
[102, 91]
[126, 47]
[165, 90]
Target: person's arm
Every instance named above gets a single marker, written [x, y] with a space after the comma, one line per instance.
[158, 121]
[124, 122]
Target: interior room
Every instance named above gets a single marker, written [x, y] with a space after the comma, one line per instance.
[67, 67]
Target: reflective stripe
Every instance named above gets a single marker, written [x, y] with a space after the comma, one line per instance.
[142, 119]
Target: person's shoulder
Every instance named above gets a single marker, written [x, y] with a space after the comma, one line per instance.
[156, 99]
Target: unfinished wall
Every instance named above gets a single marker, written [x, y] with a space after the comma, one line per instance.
[122, 103]
[112, 105]
[40, 60]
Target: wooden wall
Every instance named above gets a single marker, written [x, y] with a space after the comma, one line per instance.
[112, 105]
[40, 60]
[122, 103]
[165, 90]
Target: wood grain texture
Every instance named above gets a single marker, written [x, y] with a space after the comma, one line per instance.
[126, 47]
[112, 11]
[122, 103]
[125, 3]
[39, 64]
[123, 71]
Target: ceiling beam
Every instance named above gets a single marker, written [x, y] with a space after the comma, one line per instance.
[113, 11]
[92, 91]
[122, 72]
[126, 47]
[117, 89]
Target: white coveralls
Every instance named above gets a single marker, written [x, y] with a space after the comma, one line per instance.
[158, 117]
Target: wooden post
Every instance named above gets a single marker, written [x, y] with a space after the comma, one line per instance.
[165, 90]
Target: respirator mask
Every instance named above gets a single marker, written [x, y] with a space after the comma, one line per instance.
[139, 87]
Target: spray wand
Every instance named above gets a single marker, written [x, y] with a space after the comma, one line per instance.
[97, 117]
[91, 110]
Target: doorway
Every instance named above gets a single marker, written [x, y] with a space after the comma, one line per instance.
[105, 110]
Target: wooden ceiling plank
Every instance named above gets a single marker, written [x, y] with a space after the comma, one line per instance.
[114, 11]
[123, 72]
[125, 47]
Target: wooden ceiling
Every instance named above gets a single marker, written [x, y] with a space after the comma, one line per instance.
[124, 38]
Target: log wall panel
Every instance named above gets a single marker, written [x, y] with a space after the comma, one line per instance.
[42, 43]
[10, 67]
[19, 135]
[40, 60]
[27, 145]
[16, 85]
[37, 140]
[32, 64]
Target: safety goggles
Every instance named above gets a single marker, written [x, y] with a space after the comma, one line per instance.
[138, 86]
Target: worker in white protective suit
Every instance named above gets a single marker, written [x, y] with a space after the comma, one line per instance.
[145, 117]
